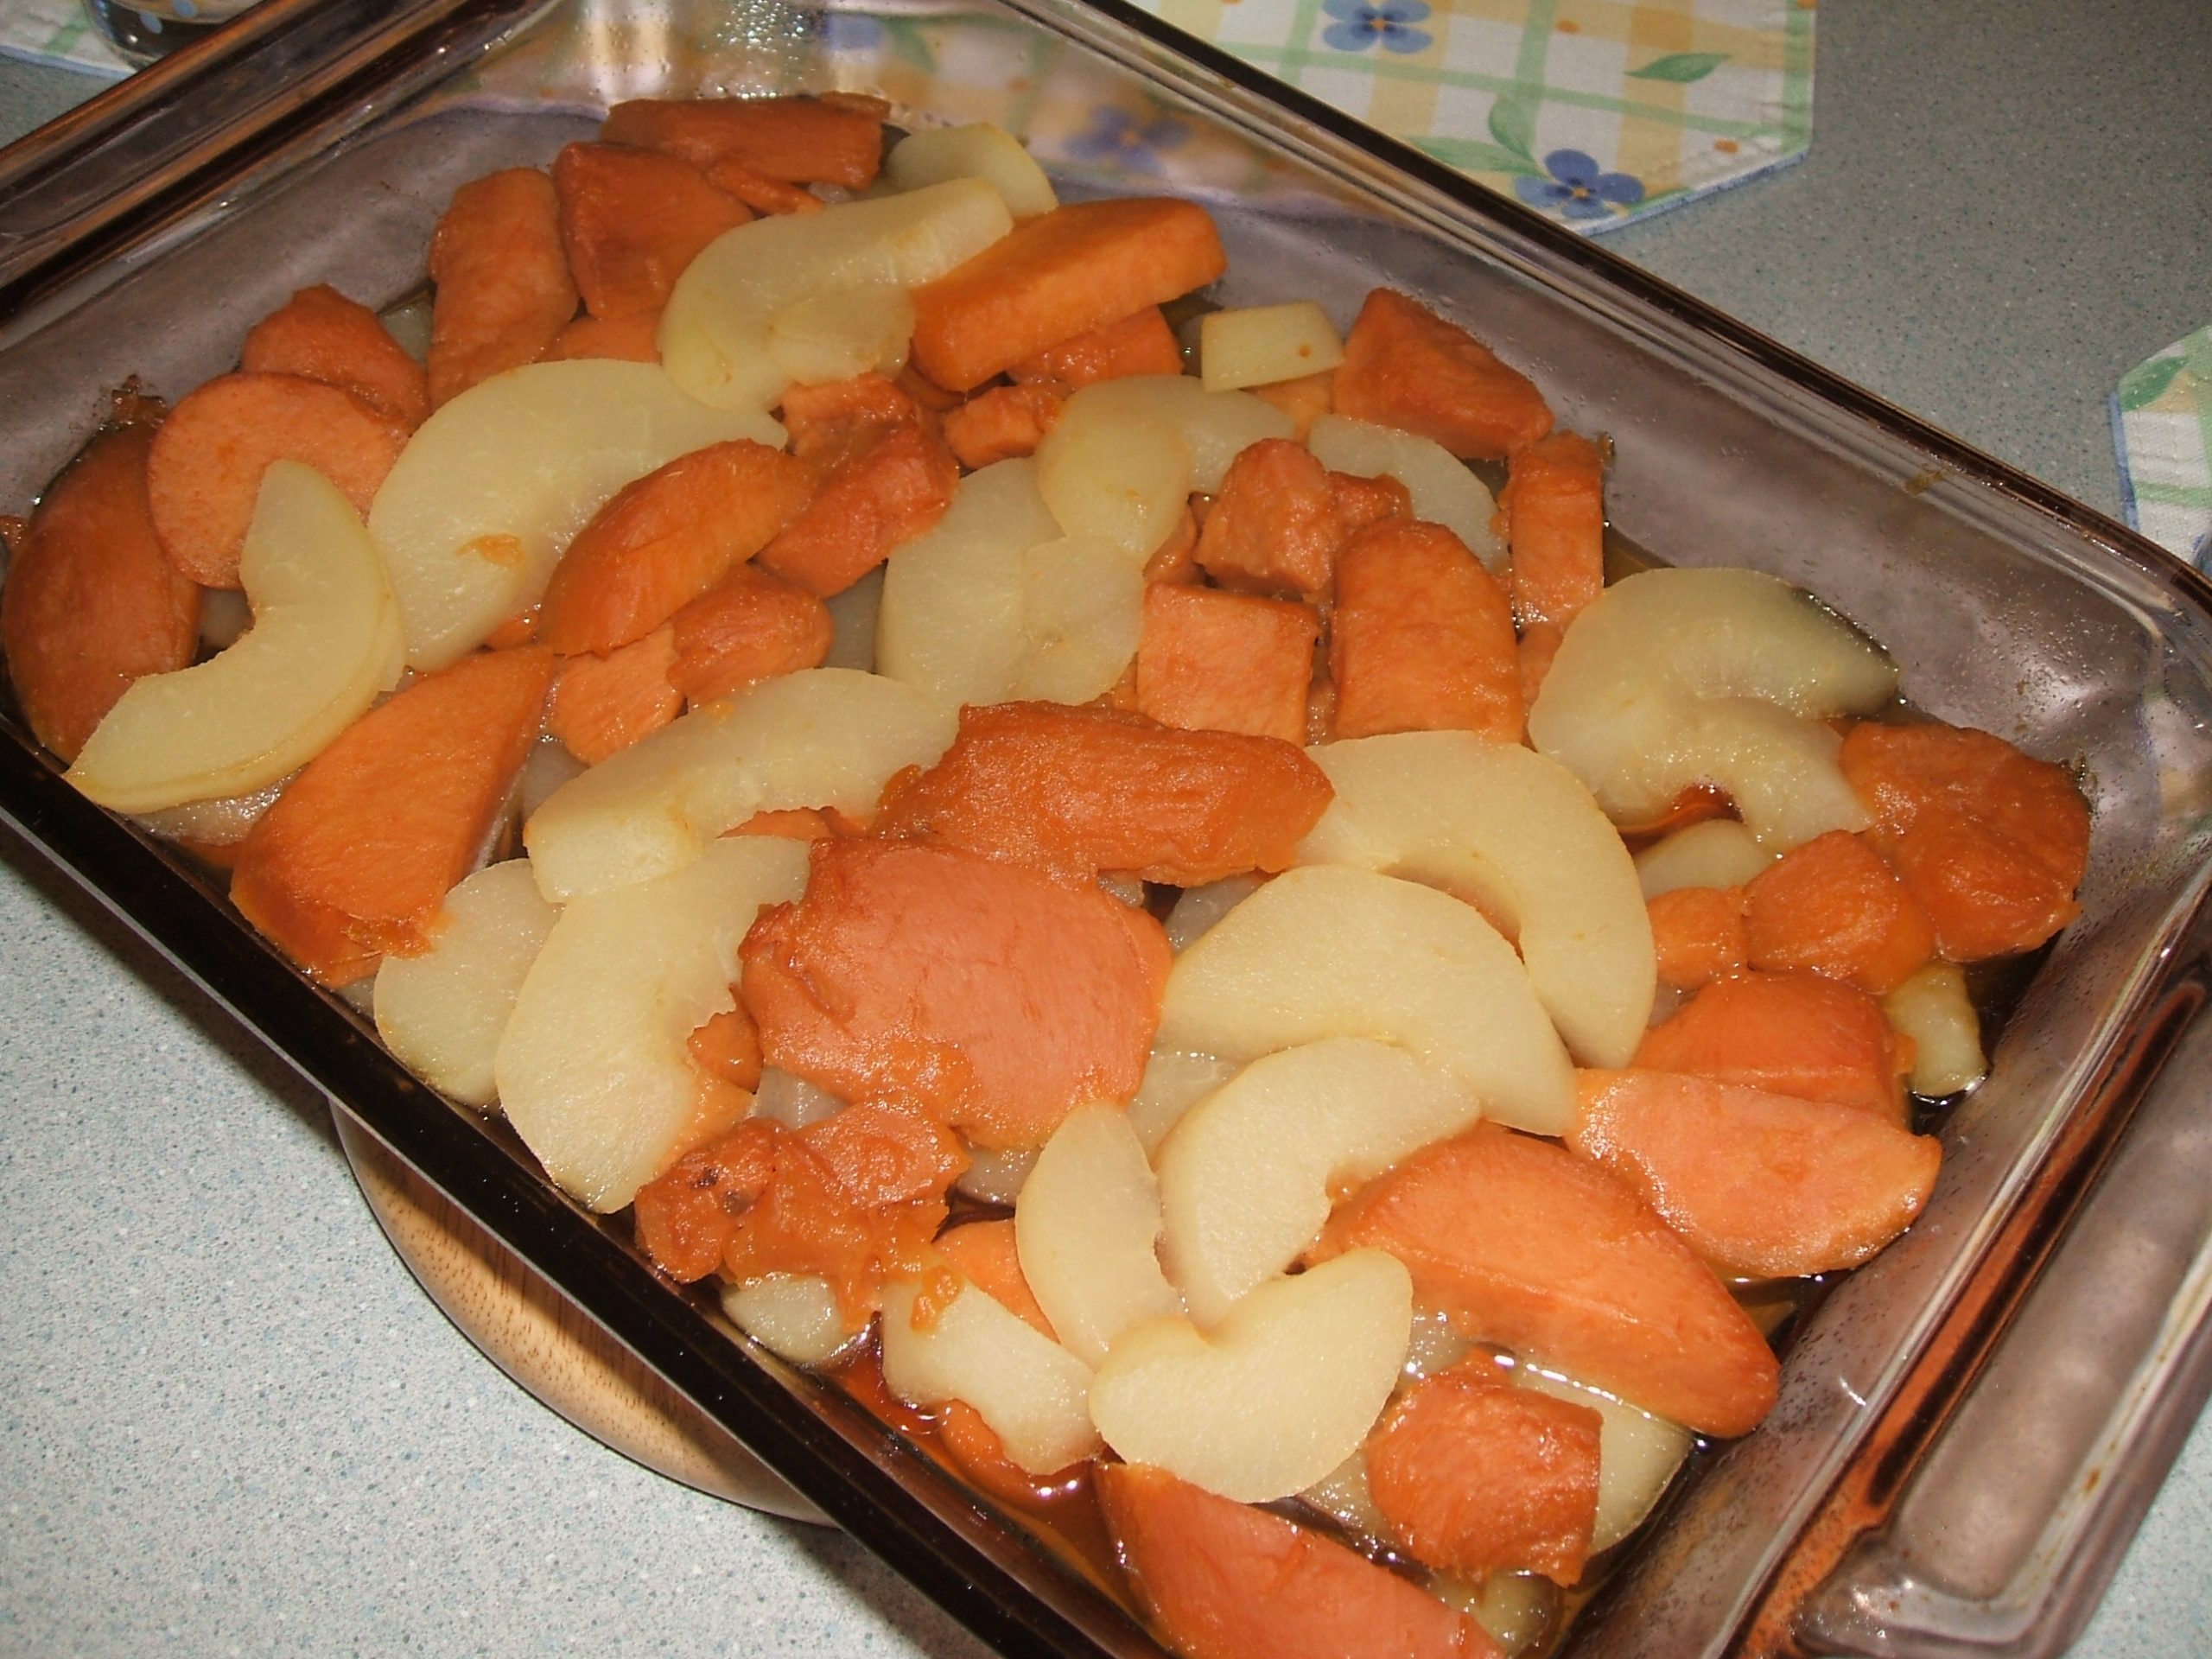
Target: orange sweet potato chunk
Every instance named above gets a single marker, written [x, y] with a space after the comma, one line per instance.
[794, 140]
[985, 1251]
[1540, 643]
[887, 486]
[728, 1046]
[750, 627]
[634, 339]
[91, 603]
[1277, 523]
[203, 473]
[320, 334]
[757, 191]
[1698, 933]
[1141, 343]
[1555, 507]
[1001, 423]
[602, 705]
[1476, 1477]
[631, 220]
[1058, 277]
[687, 1217]
[1761, 1185]
[1360, 502]
[354, 860]
[1081, 791]
[1423, 639]
[1832, 906]
[1790, 1034]
[1212, 661]
[667, 539]
[990, 994]
[503, 288]
[1523, 1245]
[1405, 366]
[1306, 399]
[1990, 842]
[1224, 1580]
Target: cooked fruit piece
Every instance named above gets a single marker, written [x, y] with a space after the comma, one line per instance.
[1080, 791]
[988, 1256]
[204, 471]
[666, 539]
[1221, 661]
[634, 339]
[988, 994]
[728, 1046]
[799, 140]
[631, 220]
[91, 603]
[1524, 1246]
[442, 1012]
[757, 191]
[602, 705]
[1761, 1185]
[979, 150]
[320, 334]
[1437, 487]
[1265, 345]
[1001, 423]
[1476, 1476]
[1832, 906]
[890, 485]
[793, 1315]
[503, 287]
[1224, 1580]
[1305, 399]
[325, 641]
[1085, 1227]
[750, 627]
[1717, 853]
[1141, 343]
[1637, 1453]
[355, 859]
[1790, 1034]
[1991, 842]
[1061, 275]
[1554, 508]
[1325, 952]
[1540, 643]
[1697, 933]
[1405, 366]
[1422, 638]
[1274, 527]
[688, 1216]
[1933, 1010]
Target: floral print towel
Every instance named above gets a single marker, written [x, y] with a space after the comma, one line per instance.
[2162, 427]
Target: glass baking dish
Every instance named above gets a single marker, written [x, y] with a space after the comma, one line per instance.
[1970, 1427]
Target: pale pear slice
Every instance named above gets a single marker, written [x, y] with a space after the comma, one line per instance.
[1033, 1393]
[492, 489]
[1247, 1179]
[841, 333]
[593, 1069]
[1444, 491]
[980, 151]
[997, 1174]
[325, 642]
[1718, 853]
[794, 1316]
[715, 330]
[1933, 1008]
[1519, 1610]
[441, 1013]
[1086, 1226]
[1344, 1496]
[1082, 614]
[1198, 909]
[1676, 678]
[1172, 1084]
[1637, 1453]
[1260, 345]
[950, 619]
[1127, 453]
[1519, 836]
[823, 737]
[1281, 1392]
[1330, 951]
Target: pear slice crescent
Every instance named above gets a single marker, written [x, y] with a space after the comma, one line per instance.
[1087, 1224]
[325, 642]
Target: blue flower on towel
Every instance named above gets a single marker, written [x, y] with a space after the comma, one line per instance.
[1577, 188]
[1362, 23]
[1116, 138]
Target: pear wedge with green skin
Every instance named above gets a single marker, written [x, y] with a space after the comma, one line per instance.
[822, 737]
[1126, 455]
[1519, 835]
[1718, 853]
[1276, 1395]
[794, 1316]
[717, 331]
[594, 1068]
[979, 151]
[1246, 1179]
[441, 1013]
[325, 643]
[1033, 1393]
[1263, 345]
[1087, 1228]
[490, 490]
[1327, 951]
[1444, 491]
[1673, 679]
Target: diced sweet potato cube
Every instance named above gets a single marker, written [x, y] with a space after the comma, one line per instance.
[1079, 792]
[1000, 423]
[504, 291]
[1274, 527]
[1422, 638]
[1221, 662]
[797, 140]
[602, 705]
[1555, 507]
[1306, 399]
[1057, 276]
[1172, 561]
[1832, 906]
[990, 994]
[1360, 502]
[890, 485]
[752, 627]
[728, 1046]
[631, 220]
[1141, 343]
[320, 334]
[1405, 366]
[1790, 1034]
[688, 1216]
[833, 417]
[1698, 934]
[985, 1252]
[1540, 642]
[757, 191]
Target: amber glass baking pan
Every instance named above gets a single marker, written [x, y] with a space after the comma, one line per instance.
[1970, 1426]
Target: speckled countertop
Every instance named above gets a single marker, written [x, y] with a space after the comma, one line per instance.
[231, 1423]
